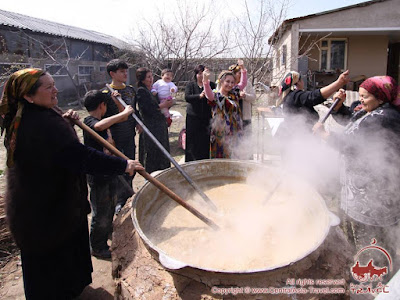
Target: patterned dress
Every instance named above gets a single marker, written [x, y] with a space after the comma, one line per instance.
[226, 124]
[370, 173]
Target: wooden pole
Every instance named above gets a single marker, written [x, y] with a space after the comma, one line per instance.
[146, 175]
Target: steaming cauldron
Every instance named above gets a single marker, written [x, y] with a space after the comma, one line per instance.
[207, 174]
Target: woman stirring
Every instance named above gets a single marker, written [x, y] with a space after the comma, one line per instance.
[46, 197]
[370, 148]
[298, 104]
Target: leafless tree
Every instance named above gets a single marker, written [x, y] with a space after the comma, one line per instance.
[58, 52]
[255, 23]
[189, 36]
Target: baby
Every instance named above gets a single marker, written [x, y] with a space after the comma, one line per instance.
[165, 89]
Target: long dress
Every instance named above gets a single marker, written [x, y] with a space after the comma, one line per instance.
[198, 116]
[226, 124]
[47, 203]
[151, 156]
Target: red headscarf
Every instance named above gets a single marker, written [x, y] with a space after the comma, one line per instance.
[384, 88]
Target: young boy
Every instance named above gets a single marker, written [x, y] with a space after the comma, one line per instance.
[123, 132]
[165, 88]
[103, 191]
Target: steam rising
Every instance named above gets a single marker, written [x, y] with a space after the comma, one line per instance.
[263, 230]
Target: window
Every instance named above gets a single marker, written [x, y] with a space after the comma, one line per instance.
[284, 55]
[333, 54]
[56, 70]
[278, 54]
[103, 69]
[85, 70]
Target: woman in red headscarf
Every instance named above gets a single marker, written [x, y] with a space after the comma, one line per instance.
[46, 197]
[298, 104]
[370, 148]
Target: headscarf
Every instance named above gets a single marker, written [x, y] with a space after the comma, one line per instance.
[289, 82]
[11, 106]
[384, 88]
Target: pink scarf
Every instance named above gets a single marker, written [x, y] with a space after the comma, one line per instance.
[384, 88]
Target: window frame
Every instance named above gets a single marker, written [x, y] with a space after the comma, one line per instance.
[54, 75]
[328, 58]
[89, 66]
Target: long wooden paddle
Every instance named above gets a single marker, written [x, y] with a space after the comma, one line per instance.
[146, 175]
[168, 155]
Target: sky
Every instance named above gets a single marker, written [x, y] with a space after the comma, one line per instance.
[119, 17]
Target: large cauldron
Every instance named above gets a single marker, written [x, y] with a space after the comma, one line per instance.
[208, 174]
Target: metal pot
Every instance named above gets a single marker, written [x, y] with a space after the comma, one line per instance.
[209, 173]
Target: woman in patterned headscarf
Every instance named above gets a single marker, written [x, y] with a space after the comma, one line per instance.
[298, 105]
[46, 197]
[370, 162]
[226, 122]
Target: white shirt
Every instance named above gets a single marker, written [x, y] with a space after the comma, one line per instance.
[163, 88]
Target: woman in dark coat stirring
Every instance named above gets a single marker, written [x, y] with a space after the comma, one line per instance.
[46, 198]
[298, 105]
[150, 155]
[198, 115]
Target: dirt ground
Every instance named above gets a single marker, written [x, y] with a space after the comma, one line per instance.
[11, 284]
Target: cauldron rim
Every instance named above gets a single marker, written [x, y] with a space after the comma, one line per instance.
[334, 220]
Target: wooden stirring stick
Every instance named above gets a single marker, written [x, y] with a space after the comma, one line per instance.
[146, 175]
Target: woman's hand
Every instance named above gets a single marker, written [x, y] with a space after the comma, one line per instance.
[71, 114]
[319, 130]
[328, 90]
[206, 75]
[202, 95]
[344, 78]
[240, 63]
[132, 166]
[341, 94]
[167, 103]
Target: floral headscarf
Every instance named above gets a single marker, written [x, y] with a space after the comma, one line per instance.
[289, 82]
[11, 108]
[384, 88]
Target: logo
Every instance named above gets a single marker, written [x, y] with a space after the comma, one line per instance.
[365, 273]
[372, 272]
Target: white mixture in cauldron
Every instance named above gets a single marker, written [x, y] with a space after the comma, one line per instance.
[253, 235]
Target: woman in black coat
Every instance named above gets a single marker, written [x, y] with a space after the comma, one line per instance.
[46, 197]
[151, 156]
[370, 175]
[298, 105]
[198, 116]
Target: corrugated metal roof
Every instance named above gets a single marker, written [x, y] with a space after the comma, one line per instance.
[44, 26]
